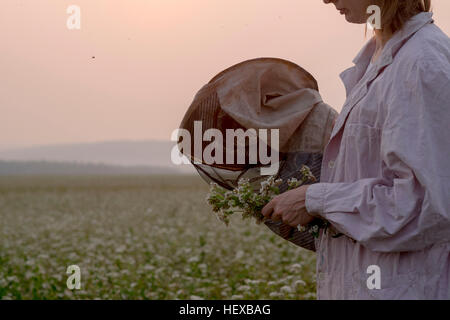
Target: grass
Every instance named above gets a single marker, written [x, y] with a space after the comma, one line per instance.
[142, 237]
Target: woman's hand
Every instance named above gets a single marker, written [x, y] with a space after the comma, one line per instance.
[289, 207]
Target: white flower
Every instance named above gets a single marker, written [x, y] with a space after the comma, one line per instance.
[120, 249]
[148, 267]
[239, 255]
[286, 289]
[193, 259]
[244, 288]
[253, 282]
[299, 283]
[274, 295]
[296, 267]
[314, 229]
[292, 183]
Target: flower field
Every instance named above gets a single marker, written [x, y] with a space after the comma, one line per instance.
[140, 237]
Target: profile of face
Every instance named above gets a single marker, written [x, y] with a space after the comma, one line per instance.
[355, 11]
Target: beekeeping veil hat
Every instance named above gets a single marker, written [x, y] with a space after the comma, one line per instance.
[264, 93]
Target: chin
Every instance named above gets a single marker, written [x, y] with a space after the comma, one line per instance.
[352, 19]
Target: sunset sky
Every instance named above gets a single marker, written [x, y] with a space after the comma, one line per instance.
[151, 57]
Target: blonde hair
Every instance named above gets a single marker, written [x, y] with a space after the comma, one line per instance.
[395, 13]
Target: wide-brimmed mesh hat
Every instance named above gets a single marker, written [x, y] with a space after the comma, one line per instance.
[263, 93]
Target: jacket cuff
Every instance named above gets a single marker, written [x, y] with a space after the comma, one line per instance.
[315, 199]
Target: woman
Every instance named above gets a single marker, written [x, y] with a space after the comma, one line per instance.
[385, 181]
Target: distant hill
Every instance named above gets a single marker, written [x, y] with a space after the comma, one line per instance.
[72, 168]
[109, 156]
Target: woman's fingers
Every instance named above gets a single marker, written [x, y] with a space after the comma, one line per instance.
[268, 209]
[287, 208]
[287, 217]
[276, 215]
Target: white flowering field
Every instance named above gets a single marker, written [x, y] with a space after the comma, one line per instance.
[138, 238]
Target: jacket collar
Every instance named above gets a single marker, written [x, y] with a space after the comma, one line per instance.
[351, 76]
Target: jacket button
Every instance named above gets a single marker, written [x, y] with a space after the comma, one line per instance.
[331, 164]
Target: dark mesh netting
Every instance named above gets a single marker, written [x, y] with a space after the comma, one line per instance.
[251, 95]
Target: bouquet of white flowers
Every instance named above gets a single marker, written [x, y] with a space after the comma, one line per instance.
[246, 200]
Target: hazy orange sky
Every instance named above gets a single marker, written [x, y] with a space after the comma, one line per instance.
[151, 57]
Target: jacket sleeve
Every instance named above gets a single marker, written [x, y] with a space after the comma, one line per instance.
[412, 210]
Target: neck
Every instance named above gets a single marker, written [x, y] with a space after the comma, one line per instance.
[381, 38]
